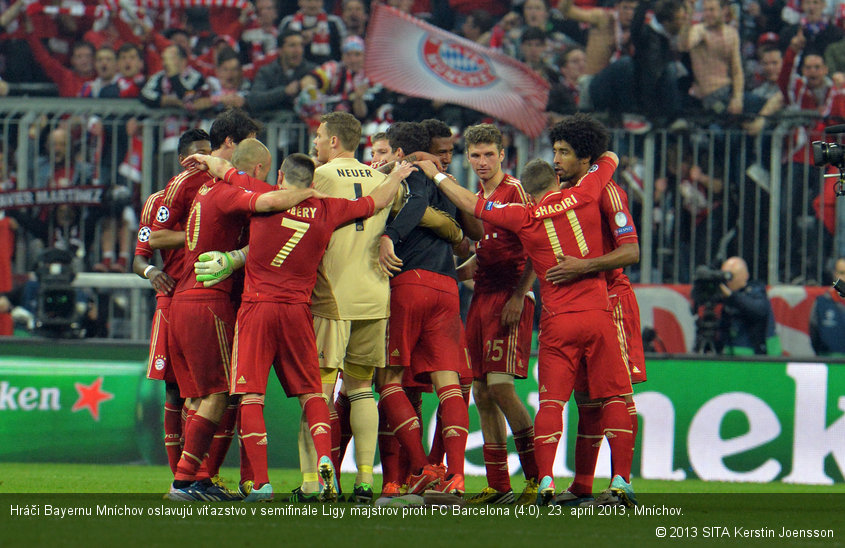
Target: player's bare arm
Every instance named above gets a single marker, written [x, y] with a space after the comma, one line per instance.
[414, 157]
[388, 261]
[280, 200]
[570, 268]
[204, 162]
[159, 279]
[167, 239]
[512, 311]
[464, 199]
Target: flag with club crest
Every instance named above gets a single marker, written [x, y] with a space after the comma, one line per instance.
[417, 59]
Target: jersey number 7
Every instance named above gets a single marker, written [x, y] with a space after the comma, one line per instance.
[299, 230]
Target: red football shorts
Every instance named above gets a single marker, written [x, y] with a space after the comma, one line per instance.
[573, 340]
[158, 364]
[277, 335]
[465, 368]
[425, 324]
[626, 317]
[626, 320]
[494, 348]
[200, 341]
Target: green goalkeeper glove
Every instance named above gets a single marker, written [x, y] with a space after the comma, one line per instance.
[215, 266]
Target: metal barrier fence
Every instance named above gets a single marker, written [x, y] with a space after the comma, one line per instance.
[697, 196]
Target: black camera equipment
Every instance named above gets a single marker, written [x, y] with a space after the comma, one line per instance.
[833, 154]
[57, 314]
[839, 286]
[706, 294]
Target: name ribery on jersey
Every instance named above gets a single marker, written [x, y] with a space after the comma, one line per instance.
[304, 212]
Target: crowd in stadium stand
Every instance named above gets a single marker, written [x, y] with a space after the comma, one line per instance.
[663, 64]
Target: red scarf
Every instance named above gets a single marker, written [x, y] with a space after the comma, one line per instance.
[320, 40]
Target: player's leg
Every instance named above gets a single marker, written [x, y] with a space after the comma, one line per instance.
[308, 456]
[363, 421]
[198, 438]
[403, 423]
[253, 434]
[503, 392]
[408, 304]
[609, 381]
[222, 439]
[173, 405]
[455, 428]
[559, 352]
[206, 366]
[316, 412]
[587, 445]
[494, 448]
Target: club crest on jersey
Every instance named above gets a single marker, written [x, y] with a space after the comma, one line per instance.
[162, 214]
[144, 234]
[456, 64]
[159, 363]
[620, 219]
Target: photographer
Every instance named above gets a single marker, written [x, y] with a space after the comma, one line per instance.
[827, 318]
[746, 312]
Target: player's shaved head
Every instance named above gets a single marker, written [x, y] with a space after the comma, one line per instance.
[345, 127]
[249, 153]
[538, 177]
[299, 170]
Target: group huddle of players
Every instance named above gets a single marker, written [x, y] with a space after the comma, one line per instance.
[348, 272]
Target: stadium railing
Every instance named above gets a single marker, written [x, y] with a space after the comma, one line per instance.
[697, 196]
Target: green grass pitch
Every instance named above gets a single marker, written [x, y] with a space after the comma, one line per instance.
[691, 513]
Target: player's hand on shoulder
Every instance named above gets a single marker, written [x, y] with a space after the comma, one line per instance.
[428, 167]
[402, 169]
[196, 161]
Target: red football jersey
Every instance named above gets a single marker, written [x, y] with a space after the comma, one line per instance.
[563, 222]
[178, 196]
[173, 259]
[285, 248]
[501, 258]
[216, 222]
[617, 229]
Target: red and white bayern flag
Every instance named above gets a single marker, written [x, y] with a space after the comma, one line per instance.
[412, 57]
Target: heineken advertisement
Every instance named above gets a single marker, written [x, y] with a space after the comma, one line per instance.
[713, 420]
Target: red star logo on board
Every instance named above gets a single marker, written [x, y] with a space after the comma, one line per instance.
[91, 397]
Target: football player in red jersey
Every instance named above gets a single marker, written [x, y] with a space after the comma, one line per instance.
[622, 245]
[228, 129]
[499, 326]
[200, 315]
[162, 279]
[275, 326]
[576, 326]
